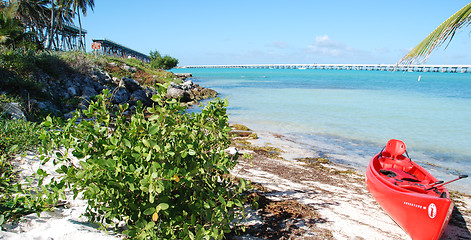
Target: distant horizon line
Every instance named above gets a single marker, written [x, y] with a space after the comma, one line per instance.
[330, 64]
[361, 67]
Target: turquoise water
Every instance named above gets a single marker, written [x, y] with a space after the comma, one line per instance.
[350, 115]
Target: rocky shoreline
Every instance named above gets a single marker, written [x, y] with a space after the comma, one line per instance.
[68, 92]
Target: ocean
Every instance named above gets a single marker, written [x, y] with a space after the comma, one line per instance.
[349, 115]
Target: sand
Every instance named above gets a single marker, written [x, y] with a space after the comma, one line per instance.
[343, 207]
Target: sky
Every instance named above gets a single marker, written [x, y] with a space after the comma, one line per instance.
[277, 32]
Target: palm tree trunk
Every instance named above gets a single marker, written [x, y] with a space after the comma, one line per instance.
[81, 45]
[51, 30]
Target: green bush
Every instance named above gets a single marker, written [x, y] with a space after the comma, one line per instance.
[158, 62]
[163, 171]
[16, 199]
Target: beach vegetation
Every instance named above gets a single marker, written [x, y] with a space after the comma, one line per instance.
[145, 73]
[80, 7]
[25, 70]
[16, 199]
[40, 21]
[13, 34]
[443, 33]
[161, 170]
[162, 62]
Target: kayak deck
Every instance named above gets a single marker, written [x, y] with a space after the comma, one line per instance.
[406, 175]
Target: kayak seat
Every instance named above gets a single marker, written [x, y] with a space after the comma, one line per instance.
[392, 156]
[401, 162]
[394, 148]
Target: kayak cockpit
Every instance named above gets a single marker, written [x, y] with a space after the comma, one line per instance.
[398, 170]
[410, 182]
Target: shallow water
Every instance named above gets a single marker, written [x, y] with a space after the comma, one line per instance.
[350, 115]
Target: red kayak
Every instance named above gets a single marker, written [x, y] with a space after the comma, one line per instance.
[412, 197]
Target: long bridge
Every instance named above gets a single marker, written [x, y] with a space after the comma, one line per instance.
[111, 48]
[367, 67]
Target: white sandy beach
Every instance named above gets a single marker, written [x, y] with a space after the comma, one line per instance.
[342, 202]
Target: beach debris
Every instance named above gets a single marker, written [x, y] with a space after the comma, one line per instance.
[13, 109]
[232, 150]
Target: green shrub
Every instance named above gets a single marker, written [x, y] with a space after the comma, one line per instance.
[164, 173]
[158, 62]
[16, 199]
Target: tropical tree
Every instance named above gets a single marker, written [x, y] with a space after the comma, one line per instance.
[81, 6]
[12, 31]
[46, 17]
[34, 15]
[61, 14]
[10, 28]
[445, 32]
[158, 62]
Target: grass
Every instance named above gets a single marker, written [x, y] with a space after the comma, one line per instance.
[16, 137]
[144, 73]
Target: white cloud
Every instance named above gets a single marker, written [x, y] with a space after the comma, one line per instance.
[323, 45]
[324, 50]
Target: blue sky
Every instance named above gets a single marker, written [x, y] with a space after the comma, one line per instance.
[261, 31]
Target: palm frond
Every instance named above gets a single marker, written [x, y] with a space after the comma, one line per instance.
[446, 31]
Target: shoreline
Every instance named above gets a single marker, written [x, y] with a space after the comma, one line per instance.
[356, 154]
[340, 197]
[336, 199]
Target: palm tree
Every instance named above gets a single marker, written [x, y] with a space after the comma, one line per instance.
[446, 31]
[34, 15]
[10, 28]
[51, 27]
[82, 5]
[60, 14]
[12, 31]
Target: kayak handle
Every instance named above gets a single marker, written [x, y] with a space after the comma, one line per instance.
[442, 183]
[438, 182]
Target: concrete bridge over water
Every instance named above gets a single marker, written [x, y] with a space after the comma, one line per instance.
[367, 67]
